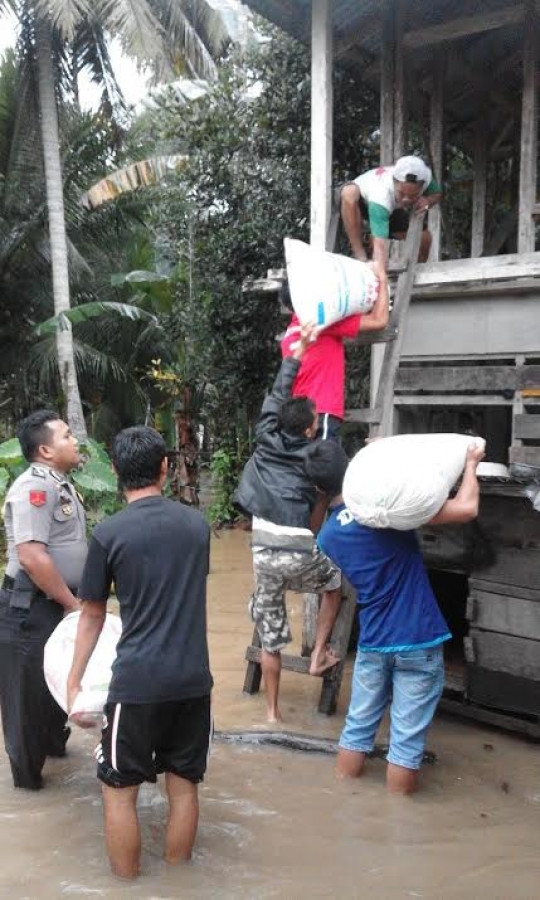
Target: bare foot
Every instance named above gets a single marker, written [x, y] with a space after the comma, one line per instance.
[321, 662]
[274, 717]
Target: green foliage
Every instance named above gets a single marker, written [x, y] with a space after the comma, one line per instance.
[95, 478]
[11, 453]
[96, 310]
[96, 451]
[4, 481]
[225, 468]
[224, 216]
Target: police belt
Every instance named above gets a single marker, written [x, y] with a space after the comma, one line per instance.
[21, 590]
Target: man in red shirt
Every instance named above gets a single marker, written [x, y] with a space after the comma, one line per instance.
[322, 373]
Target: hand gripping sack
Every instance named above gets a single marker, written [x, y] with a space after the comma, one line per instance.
[58, 658]
[326, 287]
[402, 482]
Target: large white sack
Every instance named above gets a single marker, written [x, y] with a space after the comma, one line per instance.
[403, 481]
[326, 287]
[58, 658]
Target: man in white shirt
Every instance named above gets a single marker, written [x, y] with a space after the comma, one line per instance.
[385, 197]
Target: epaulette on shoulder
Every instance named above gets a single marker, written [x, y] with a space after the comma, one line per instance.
[39, 471]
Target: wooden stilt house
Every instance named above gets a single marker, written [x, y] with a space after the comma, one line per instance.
[470, 343]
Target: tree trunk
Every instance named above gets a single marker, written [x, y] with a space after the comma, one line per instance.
[57, 226]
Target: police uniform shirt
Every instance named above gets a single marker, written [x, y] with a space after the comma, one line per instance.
[41, 505]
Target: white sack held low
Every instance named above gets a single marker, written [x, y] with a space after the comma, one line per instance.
[326, 287]
[58, 658]
[402, 482]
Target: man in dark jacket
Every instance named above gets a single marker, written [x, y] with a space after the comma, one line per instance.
[276, 490]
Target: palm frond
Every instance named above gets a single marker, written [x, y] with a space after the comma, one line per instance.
[91, 53]
[64, 15]
[197, 36]
[91, 311]
[139, 29]
[145, 173]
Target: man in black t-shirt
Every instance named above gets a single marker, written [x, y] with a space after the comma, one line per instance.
[157, 715]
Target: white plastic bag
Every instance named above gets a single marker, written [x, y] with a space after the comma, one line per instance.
[402, 482]
[58, 658]
[326, 287]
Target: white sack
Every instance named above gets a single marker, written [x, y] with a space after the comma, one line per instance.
[326, 287]
[58, 658]
[403, 481]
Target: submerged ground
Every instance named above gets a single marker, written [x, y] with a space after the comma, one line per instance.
[275, 823]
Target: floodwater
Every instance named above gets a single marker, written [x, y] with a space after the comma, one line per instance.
[274, 822]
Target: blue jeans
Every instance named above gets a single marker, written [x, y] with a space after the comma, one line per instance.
[412, 682]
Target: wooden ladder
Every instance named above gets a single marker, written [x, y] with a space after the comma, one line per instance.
[380, 420]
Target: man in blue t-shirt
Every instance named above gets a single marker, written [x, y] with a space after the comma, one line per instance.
[400, 657]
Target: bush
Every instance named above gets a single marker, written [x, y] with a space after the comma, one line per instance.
[225, 468]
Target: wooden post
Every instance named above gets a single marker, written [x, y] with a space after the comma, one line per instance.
[436, 129]
[387, 85]
[387, 144]
[321, 120]
[529, 124]
[480, 161]
[400, 100]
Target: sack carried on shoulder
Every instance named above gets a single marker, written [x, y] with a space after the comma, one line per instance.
[326, 287]
[402, 482]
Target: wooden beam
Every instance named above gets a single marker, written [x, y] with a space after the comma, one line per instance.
[526, 427]
[463, 27]
[376, 337]
[321, 120]
[489, 717]
[529, 456]
[436, 133]
[367, 416]
[400, 99]
[451, 400]
[480, 164]
[529, 380]
[504, 653]
[456, 379]
[529, 126]
[387, 84]
[507, 287]
[486, 268]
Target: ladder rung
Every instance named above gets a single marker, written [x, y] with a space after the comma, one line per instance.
[368, 416]
[377, 337]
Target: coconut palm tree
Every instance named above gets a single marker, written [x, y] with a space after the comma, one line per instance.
[58, 38]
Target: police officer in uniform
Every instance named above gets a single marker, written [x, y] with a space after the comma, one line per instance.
[46, 539]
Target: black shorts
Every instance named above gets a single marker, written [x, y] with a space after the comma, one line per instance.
[139, 741]
[329, 427]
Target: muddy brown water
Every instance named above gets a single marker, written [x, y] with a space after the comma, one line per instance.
[275, 823]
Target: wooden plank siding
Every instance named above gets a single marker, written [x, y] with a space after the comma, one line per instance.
[504, 614]
[527, 427]
[504, 654]
[456, 379]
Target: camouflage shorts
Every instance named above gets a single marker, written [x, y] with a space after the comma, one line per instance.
[277, 571]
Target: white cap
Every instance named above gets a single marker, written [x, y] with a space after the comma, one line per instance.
[412, 165]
